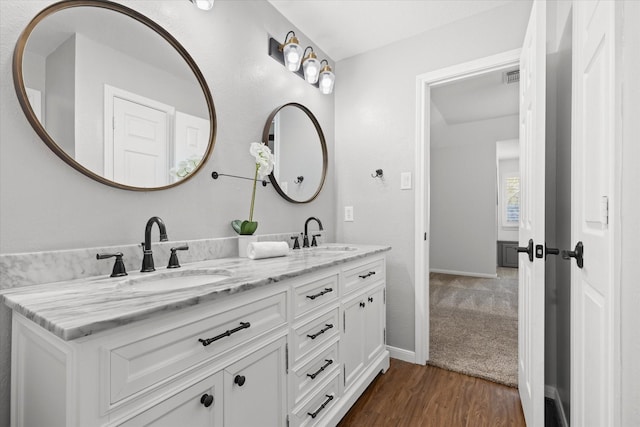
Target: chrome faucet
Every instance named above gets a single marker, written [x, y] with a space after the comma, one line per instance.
[305, 240]
[147, 258]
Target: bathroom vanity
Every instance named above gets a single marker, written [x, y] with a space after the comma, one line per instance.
[235, 342]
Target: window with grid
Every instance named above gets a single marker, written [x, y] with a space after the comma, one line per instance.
[510, 200]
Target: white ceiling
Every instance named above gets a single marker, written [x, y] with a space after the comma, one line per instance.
[477, 98]
[344, 28]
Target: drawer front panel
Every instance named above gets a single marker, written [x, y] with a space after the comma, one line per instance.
[314, 411]
[363, 275]
[315, 294]
[150, 360]
[314, 334]
[308, 376]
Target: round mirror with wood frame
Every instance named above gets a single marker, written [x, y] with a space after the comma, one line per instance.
[72, 43]
[298, 144]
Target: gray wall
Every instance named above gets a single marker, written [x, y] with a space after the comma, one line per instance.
[46, 205]
[375, 128]
[463, 194]
[59, 102]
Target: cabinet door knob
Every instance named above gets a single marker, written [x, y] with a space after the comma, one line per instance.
[362, 304]
[206, 400]
[370, 299]
[239, 379]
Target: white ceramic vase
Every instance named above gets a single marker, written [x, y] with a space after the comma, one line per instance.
[243, 242]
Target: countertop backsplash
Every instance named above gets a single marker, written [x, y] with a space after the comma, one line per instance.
[32, 268]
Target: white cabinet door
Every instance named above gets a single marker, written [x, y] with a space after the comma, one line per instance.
[352, 340]
[198, 405]
[255, 388]
[374, 314]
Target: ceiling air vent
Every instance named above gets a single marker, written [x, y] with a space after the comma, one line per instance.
[511, 77]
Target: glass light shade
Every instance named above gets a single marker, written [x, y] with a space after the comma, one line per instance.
[311, 68]
[327, 80]
[292, 55]
[203, 4]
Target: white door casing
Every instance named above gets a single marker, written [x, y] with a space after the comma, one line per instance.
[532, 217]
[191, 138]
[594, 296]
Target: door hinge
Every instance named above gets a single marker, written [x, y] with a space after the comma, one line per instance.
[287, 420]
[344, 321]
[425, 236]
[605, 210]
[384, 296]
[286, 359]
[113, 122]
[384, 334]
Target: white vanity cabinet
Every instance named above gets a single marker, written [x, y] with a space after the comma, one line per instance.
[296, 352]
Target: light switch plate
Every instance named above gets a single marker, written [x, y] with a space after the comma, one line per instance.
[405, 181]
[348, 213]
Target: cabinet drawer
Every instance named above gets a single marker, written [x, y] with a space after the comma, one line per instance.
[312, 373]
[314, 411]
[363, 275]
[190, 407]
[155, 358]
[314, 294]
[315, 333]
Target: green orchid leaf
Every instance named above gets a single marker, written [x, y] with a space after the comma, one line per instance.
[236, 224]
[248, 227]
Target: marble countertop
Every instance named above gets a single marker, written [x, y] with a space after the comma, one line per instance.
[82, 307]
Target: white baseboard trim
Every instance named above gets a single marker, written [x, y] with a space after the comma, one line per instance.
[402, 354]
[464, 273]
[552, 393]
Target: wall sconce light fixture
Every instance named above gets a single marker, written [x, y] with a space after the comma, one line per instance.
[291, 56]
[203, 4]
[311, 67]
[327, 78]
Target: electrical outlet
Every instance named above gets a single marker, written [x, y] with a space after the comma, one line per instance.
[405, 181]
[348, 213]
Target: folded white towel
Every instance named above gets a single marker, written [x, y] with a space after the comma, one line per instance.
[258, 250]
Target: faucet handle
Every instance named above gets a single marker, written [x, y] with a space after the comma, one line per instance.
[118, 268]
[314, 242]
[173, 259]
[296, 243]
[305, 241]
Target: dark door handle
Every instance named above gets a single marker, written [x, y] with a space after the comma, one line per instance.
[578, 254]
[528, 249]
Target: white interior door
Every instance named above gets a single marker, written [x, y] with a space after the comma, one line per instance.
[192, 137]
[140, 144]
[532, 217]
[593, 346]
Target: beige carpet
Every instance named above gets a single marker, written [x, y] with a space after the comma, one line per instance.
[474, 325]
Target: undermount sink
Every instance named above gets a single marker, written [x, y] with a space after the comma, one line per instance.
[175, 279]
[335, 248]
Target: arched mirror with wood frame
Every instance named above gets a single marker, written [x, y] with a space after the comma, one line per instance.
[114, 95]
[300, 149]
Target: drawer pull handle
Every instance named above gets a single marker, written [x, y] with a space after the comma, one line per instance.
[326, 402]
[319, 294]
[239, 379]
[206, 400]
[321, 331]
[206, 342]
[326, 365]
[364, 276]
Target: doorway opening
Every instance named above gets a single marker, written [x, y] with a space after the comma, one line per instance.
[474, 211]
[425, 84]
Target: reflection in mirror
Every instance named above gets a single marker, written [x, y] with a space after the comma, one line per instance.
[297, 142]
[114, 95]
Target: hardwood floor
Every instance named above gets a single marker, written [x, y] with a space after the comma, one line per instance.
[415, 395]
